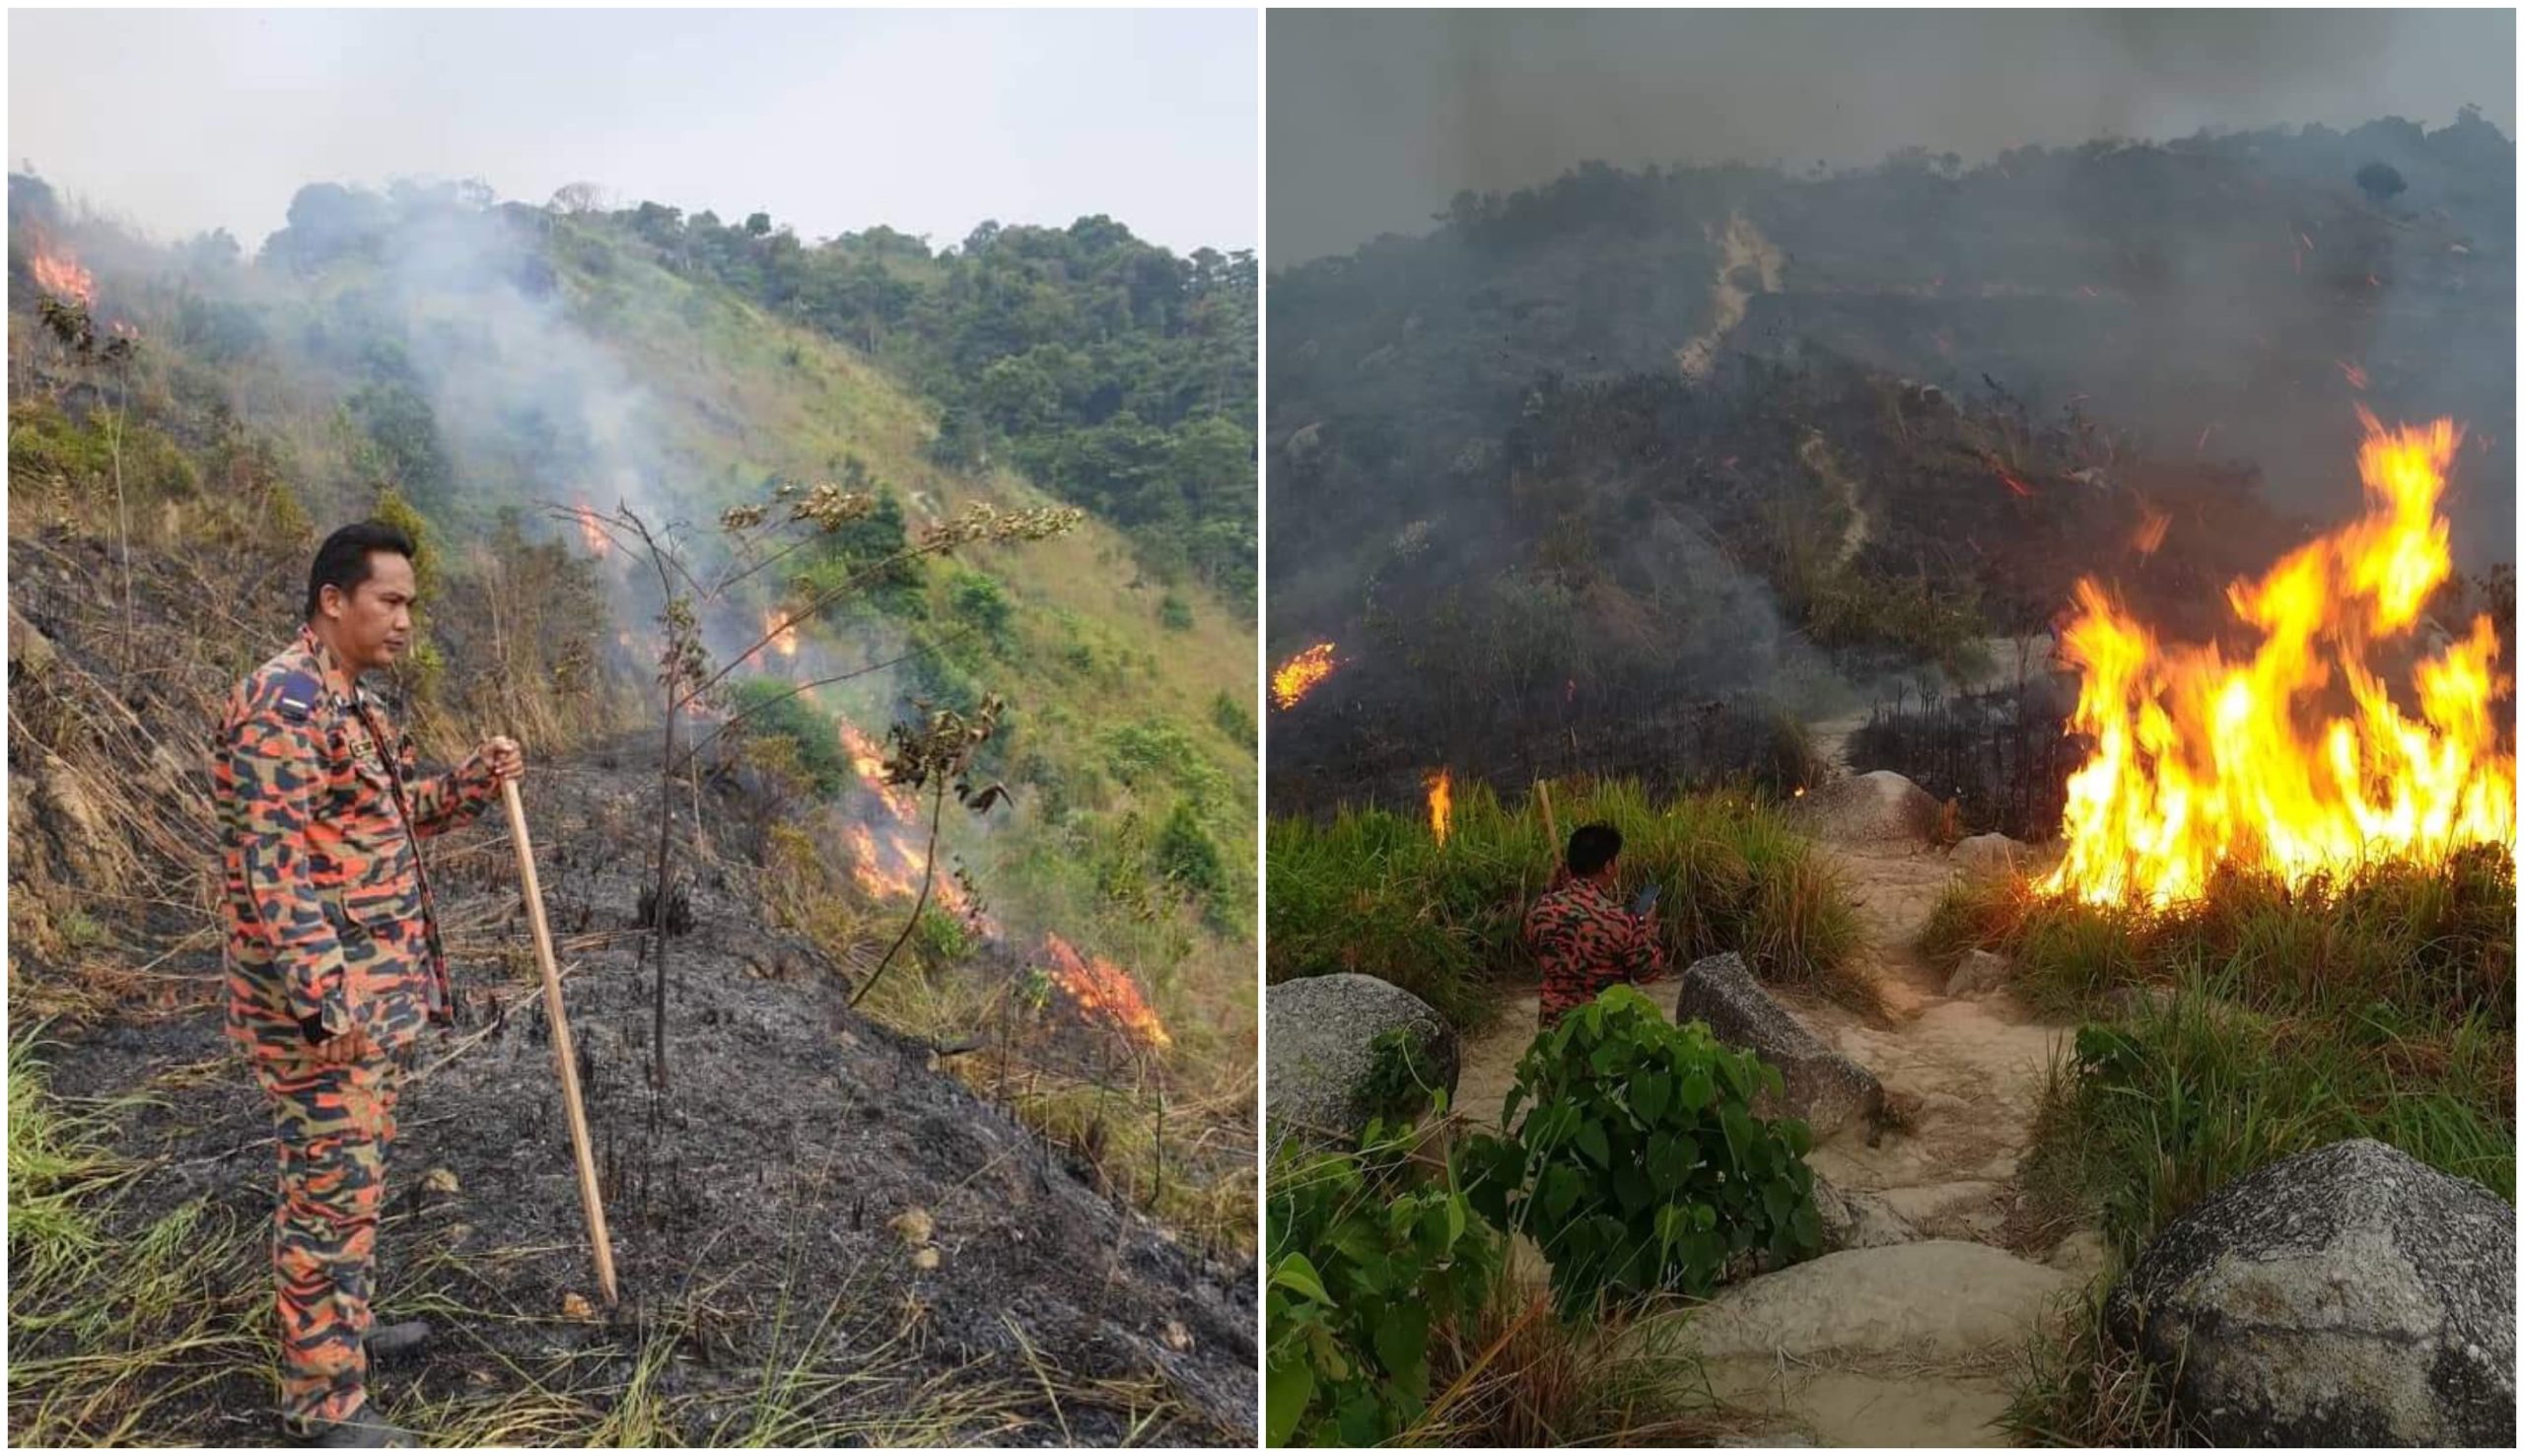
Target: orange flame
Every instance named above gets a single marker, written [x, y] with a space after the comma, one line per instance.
[784, 640]
[58, 273]
[1441, 805]
[2199, 764]
[1104, 992]
[2151, 531]
[2357, 376]
[600, 545]
[1297, 676]
[869, 761]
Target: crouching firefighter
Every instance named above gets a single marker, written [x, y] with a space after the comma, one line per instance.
[334, 963]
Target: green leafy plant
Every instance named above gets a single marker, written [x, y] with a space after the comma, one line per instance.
[1638, 1164]
[1368, 1256]
[1397, 1088]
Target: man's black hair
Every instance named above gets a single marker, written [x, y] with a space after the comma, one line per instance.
[342, 561]
[1592, 847]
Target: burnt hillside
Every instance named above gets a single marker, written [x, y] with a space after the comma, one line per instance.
[823, 1232]
[1633, 441]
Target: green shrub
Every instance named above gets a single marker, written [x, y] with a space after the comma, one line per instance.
[1397, 1087]
[939, 937]
[1365, 1259]
[1187, 856]
[1172, 614]
[978, 597]
[1638, 1164]
[808, 729]
[1157, 750]
[47, 445]
[1234, 720]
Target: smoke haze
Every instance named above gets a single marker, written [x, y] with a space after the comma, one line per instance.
[1378, 119]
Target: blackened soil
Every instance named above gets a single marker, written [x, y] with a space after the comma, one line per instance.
[762, 1191]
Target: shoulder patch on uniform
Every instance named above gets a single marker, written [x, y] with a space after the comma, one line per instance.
[296, 695]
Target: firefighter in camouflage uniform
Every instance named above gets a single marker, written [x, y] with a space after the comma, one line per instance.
[334, 963]
[1584, 939]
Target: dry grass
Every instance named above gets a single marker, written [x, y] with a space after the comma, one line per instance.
[127, 1333]
[2080, 1389]
[1518, 1377]
[1374, 891]
[1167, 1130]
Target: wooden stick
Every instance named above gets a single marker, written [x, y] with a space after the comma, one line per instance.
[1550, 829]
[561, 1049]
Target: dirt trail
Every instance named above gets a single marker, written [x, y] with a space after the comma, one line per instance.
[1911, 1343]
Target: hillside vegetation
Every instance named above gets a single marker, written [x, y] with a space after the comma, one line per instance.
[185, 421]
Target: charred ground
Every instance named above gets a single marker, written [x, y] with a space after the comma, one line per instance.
[770, 1210]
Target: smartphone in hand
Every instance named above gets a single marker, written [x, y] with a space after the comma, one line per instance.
[1645, 902]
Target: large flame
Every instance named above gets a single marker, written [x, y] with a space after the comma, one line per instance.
[1297, 676]
[1104, 992]
[56, 272]
[2297, 760]
[1441, 805]
[889, 856]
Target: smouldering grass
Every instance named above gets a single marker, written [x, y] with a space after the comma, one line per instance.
[1374, 891]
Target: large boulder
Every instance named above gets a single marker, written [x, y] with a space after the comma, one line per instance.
[2348, 1297]
[1881, 808]
[1323, 1031]
[1825, 1088]
[1936, 1299]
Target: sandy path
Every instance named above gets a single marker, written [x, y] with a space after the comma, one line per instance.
[1878, 1346]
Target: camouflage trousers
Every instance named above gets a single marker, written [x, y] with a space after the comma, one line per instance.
[334, 1125]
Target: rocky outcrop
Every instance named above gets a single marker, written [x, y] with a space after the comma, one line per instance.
[1825, 1088]
[1322, 1052]
[1881, 808]
[1934, 1299]
[2351, 1296]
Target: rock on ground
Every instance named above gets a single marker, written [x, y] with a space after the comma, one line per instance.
[1931, 1301]
[1825, 1088]
[2351, 1295]
[1859, 1219]
[1978, 971]
[1987, 856]
[1322, 1030]
[1877, 808]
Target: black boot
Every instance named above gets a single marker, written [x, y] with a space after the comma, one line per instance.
[364, 1432]
[384, 1342]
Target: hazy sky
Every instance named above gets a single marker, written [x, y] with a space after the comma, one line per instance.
[925, 121]
[1376, 118]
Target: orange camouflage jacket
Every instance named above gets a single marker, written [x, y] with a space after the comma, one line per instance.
[1586, 943]
[329, 921]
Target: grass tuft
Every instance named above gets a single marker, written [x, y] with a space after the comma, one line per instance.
[1374, 891]
[2257, 1022]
